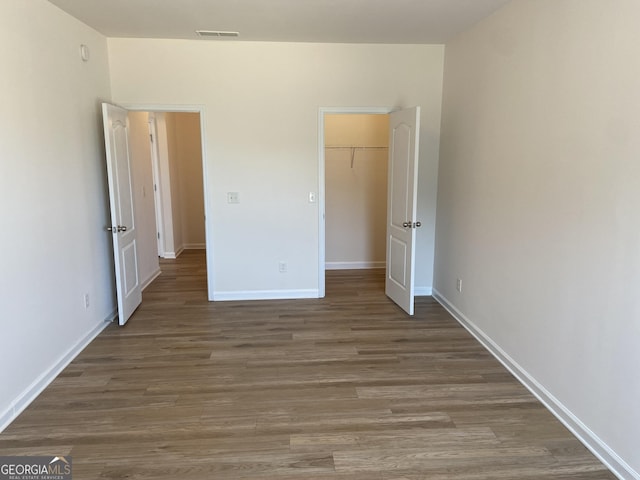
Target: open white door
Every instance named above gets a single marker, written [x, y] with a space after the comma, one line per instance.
[123, 228]
[404, 132]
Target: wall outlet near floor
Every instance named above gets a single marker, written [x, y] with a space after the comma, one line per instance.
[86, 301]
[459, 285]
[282, 267]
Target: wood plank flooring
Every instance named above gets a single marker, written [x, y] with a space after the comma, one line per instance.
[346, 388]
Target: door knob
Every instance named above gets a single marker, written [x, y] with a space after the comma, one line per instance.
[112, 229]
[406, 224]
[417, 225]
[122, 228]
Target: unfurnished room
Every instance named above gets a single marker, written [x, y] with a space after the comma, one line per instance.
[382, 240]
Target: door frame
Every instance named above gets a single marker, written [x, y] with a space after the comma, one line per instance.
[322, 111]
[208, 229]
[157, 188]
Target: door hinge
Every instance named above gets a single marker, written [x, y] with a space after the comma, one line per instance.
[158, 235]
[151, 137]
[155, 187]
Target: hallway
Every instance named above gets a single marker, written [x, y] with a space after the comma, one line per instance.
[347, 387]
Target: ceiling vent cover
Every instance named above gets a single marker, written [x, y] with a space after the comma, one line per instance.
[216, 33]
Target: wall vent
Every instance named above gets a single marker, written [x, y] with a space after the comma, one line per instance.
[216, 33]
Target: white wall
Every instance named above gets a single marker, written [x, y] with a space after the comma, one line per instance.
[53, 200]
[143, 197]
[261, 103]
[538, 205]
[188, 150]
[175, 183]
[356, 194]
[184, 147]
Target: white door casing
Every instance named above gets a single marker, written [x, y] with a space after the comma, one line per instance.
[157, 191]
[404, 132]
[123, 228]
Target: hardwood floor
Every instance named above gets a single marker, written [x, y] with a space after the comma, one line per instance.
[347, 388]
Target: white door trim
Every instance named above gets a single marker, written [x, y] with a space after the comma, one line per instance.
[322, 111]
[208, 217]
[157, 189]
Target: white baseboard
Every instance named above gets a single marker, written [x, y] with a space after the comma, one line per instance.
[265, 295]
[423, 291]
[353, 265]
[151, 278]
[594, 443]
[39, 384]
[173, 255]
[195, 246]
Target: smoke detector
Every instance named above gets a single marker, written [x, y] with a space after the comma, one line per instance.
[216, 33]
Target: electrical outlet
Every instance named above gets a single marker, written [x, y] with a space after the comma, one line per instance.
[282, 267]
[86, 301]
[459, 285]
[233, 197]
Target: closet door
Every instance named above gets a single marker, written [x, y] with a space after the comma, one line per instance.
[404, 129]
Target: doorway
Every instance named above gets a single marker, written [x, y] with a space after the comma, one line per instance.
[353, 157]
[167, 148]
[176, 139]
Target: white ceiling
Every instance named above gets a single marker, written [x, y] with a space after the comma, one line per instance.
[330, 21]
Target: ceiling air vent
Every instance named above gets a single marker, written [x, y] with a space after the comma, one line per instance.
[216, 33]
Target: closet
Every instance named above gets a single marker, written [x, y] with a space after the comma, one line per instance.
[356, 158]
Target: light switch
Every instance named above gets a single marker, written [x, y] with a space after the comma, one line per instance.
[233, 197]
[312, 197]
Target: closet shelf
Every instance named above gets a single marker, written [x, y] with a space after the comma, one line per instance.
[356, 148]
[353, 150]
